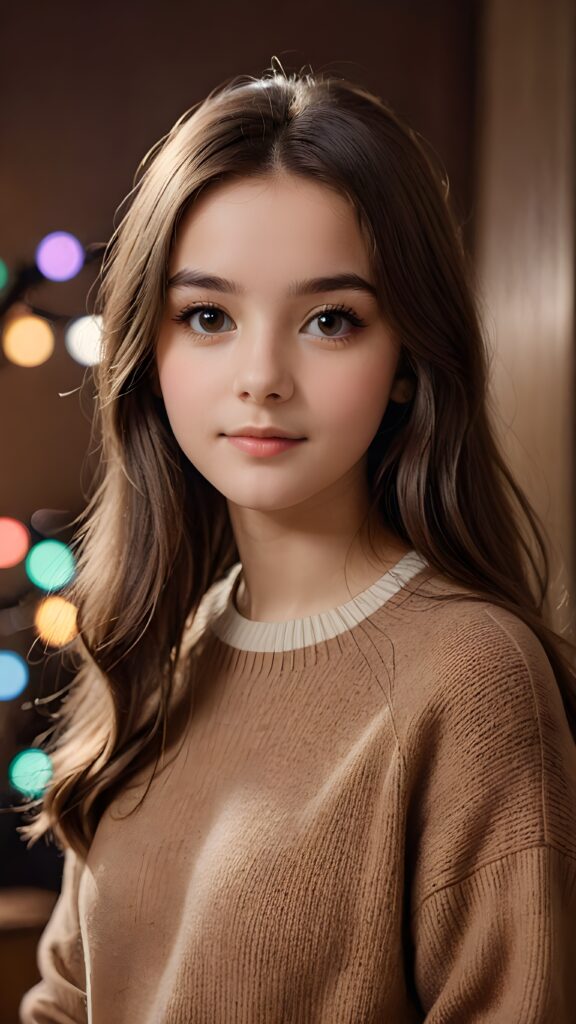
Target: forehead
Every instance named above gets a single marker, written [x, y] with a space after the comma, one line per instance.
[274, 227]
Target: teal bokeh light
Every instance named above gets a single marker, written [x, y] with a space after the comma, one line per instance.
[14, 675]
[50, 564]
[30, 772]
[3, 275]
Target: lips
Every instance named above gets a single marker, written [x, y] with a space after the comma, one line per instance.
[264, 446]
[271, 437]
[265, 432]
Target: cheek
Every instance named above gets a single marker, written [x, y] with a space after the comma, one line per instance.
[176, 388]
[356, 398]
[179, 385]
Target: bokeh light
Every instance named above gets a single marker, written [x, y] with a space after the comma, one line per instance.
[55, 620]
[30, 772]
[50, 564]
[14, 541]
[28, 340]
[83, 338]
[3, 275]
[14, 675]
[59, 256]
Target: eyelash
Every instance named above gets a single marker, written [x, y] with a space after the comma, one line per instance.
[345, 311]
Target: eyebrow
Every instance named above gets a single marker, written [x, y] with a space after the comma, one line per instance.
[189, 277]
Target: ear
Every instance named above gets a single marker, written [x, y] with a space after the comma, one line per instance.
[403, 389]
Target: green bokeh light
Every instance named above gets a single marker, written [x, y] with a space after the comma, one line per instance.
[30, 772]
[50, 564]
[3, 275]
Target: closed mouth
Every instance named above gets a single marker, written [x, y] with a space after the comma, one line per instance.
[267, 437]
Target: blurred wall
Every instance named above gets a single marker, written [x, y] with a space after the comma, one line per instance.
[525, 251]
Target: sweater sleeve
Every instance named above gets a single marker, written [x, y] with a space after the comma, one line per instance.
[500, 946]
[60, 996]
[493, 900]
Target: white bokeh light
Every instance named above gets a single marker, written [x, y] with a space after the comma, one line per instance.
[82, 338]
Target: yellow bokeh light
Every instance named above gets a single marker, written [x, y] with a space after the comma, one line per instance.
[55, 620]
[28, 341]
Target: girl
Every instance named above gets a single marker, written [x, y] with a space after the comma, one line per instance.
[369, 808]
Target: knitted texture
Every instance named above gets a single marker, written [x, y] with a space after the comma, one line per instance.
[369, 818]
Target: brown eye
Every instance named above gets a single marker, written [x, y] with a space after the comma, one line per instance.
[209, 316]
[326, 318]
[330, 317]
[209, 321]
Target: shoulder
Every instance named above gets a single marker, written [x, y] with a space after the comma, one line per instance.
[490, 717]
[491, 657]
[479, 637]
[489, 756]
[472, 683]
[463, 647]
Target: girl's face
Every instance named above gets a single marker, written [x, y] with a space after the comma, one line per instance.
[266, 351]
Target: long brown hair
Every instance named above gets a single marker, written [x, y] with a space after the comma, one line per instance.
[156, 534]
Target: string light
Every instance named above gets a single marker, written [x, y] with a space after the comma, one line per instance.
[30, 772]
[14, 541]
[14, 675]
[50, 564]
[83, 339]
[55, 621]
[60, 256]
[28, 341]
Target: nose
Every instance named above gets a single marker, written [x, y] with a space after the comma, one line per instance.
[263, 369]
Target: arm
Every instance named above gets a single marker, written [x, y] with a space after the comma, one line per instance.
[493, 879]
[500, 946]
[60, 997]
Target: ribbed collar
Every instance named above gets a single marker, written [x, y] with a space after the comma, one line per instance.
[249, 635]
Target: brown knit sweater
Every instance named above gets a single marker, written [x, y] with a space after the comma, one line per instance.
[370, 819]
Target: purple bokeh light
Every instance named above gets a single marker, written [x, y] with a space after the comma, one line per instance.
[59, 256]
